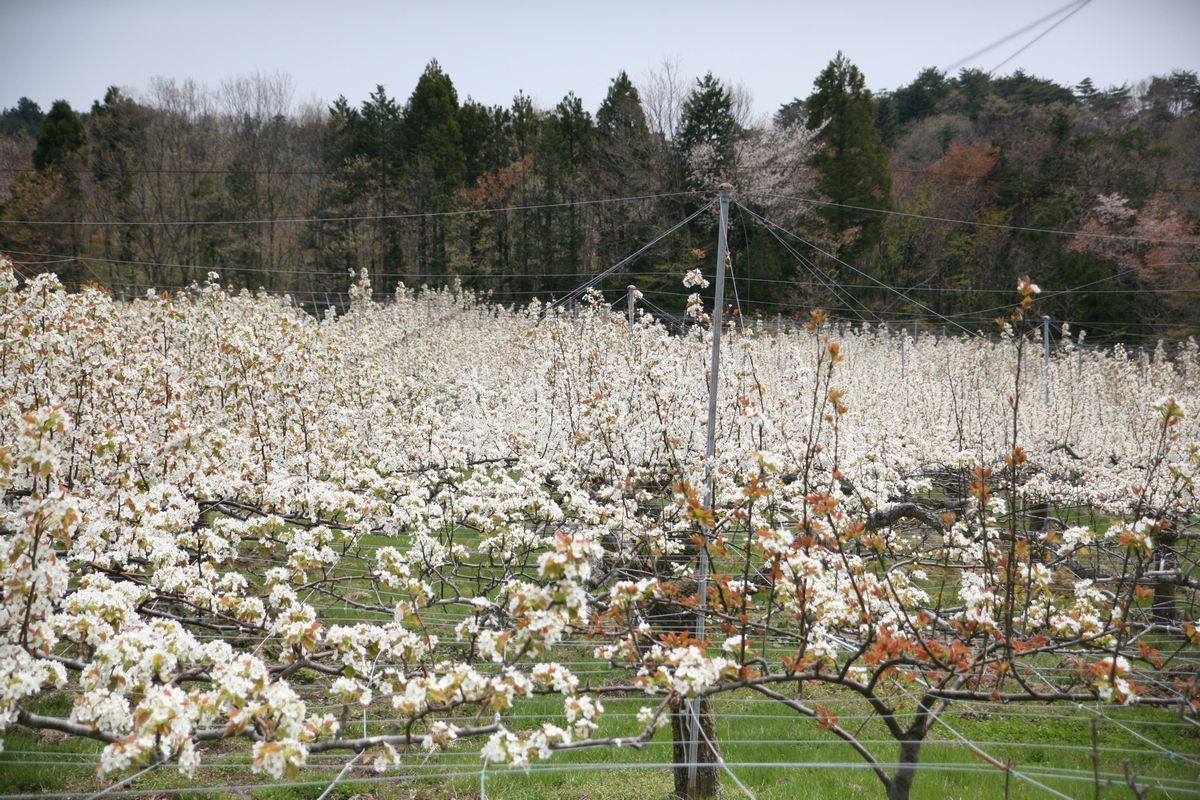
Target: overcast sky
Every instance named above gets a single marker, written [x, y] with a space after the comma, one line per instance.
[74, 49]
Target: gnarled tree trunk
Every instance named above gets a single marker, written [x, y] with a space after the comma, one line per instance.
[676, 619]
[708, 773]
[906, 772]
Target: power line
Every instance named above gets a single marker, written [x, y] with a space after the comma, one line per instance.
[961, 177]
[995, 225]
[1041, 35]
[579, 290]
[989, 48]
[359, 218]
[858, 271]
[58, 258]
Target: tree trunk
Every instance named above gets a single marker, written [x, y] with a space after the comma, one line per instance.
[677, 619]
[708, 773]
[1038, 514]
[1164, 609]
[910, 754]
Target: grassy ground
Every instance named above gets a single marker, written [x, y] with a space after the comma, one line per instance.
[776, 754]
[1036, 741]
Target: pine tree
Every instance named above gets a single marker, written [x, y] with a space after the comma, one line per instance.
[437, 164]
[853, 163]
[567, 146]
[61, 135]
[708, 123]
[525, 124]
[484, 137]
[117, 134]
[1027, 90]
[624, 165]
[970, 90]
[625, 146]
[431, 129]
[922, 97]
[23, 120]
[621, 114]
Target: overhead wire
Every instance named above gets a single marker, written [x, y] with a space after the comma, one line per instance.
[1040, 36]
[1008, 38]
[975, 223]
[615, 268]
[822, 279]
[353, 218]
[858, 271]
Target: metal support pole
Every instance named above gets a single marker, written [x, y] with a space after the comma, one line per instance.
[903, 358]
[1046, 358]
[778, 340]
[710, 486]
[632, 291]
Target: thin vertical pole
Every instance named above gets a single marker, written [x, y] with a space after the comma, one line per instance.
[709, 478]
[778, 341]
[632, 291]
[903, 357]
[1046, 358]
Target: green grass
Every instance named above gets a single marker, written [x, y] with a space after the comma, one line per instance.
[1039, 738]
[1050, 737]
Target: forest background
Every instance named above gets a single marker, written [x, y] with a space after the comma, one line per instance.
[948, 188]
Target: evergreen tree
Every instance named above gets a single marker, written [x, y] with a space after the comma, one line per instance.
[117, 131]
[362, 155]
[61, 135]
[624, 166]
[708, 121]
[922, 97]
[625, 143]
[969, 91]
[432, 135]
[524, 124]
[376, 131]
[1086, 92]
[620, 114]
[1185, 92]
[853, 163]
[1174, 95]
[887, 118]
[1114, 98]
[437, 163]
[1027, 90]
[485, 142]
[567, 147]
[791, 113]
[23, 120]
[570, 132]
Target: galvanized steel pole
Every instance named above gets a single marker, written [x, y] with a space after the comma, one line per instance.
[710, 485]
[1046, 357]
